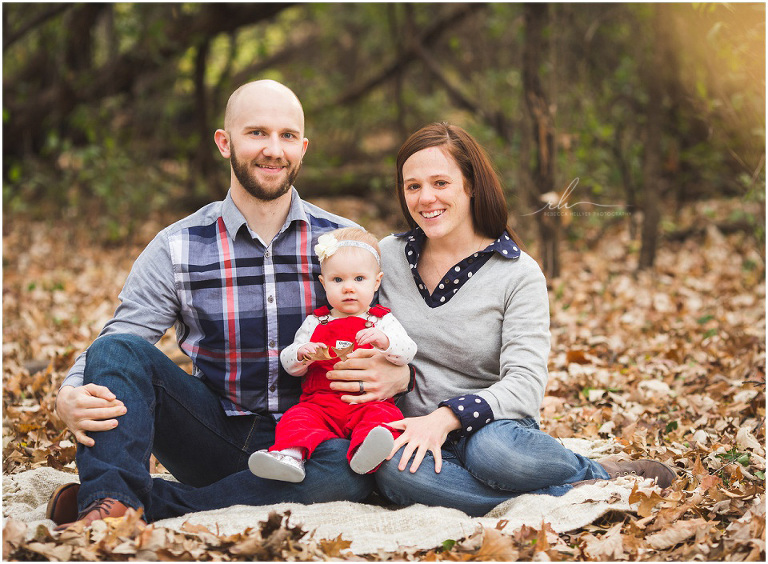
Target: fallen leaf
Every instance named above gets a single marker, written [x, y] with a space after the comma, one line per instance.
[709, 482]
[746, 440]
[577, 356]
[608, 546]
[13, 536]
[647, 501]
[51, 550]
[496, 546]
[334, 547]
[192, 528]
[675, 533]
[542, 544]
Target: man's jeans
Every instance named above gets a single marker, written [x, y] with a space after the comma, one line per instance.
[500, 461]
[179, 419]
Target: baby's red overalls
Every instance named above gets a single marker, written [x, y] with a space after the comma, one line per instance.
[320, 414]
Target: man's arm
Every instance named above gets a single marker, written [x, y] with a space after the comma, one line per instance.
[149, 305]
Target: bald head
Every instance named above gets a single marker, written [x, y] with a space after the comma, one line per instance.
[265, 94]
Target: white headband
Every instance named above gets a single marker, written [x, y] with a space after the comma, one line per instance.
[328, 244]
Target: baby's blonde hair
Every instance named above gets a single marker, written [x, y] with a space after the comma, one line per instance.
[356, 234]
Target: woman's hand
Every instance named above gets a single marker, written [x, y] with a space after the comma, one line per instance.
[380, 378]
[88, 408]
[424, 434]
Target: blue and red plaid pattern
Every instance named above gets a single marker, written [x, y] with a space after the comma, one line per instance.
[236, 302]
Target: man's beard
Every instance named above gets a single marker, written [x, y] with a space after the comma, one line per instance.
[253, 186]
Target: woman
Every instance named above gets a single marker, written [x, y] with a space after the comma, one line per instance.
[477, 306]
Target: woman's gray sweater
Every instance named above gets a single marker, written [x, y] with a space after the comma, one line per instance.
[490, 339]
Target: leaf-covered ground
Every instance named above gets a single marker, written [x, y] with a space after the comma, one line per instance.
[671, 364]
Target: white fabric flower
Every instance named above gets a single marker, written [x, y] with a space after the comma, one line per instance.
[327, 244]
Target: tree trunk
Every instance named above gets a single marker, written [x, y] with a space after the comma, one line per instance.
[204, 163]
[652, 154]
[78, 55]
[543, 133]
[630, 194]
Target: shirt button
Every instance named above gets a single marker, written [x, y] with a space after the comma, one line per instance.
[270, 299]
[266, 254]
[272, 388]
[272, 344]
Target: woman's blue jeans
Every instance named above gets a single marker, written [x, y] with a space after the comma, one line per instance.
[179, 419]
[500, 461]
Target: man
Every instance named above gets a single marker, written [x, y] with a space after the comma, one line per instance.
[237, 278]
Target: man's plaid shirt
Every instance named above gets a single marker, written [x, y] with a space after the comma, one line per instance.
[235, 301]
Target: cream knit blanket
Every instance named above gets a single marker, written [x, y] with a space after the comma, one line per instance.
[369, 528]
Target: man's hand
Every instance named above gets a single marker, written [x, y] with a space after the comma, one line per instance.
[381, 379]
[423, 434]
[88, 408]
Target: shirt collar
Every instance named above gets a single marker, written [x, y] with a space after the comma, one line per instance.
[504, 246]
[234, 219]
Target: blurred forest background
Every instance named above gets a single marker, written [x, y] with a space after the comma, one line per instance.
[657, 301]
[109, 109]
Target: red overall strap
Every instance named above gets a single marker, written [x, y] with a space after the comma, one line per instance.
[321, 311]
[379, 311]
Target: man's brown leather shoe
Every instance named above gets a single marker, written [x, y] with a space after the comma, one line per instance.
[62, 507]
[663, 474]
[99, 509]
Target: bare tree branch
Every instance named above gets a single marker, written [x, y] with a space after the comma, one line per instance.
[496, 120]
[405, 57]
[283, 56]
[51, 12]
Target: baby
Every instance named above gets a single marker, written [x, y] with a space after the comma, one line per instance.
[351, 274]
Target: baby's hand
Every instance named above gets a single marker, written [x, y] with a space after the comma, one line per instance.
[373, 336]
[309, 352]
